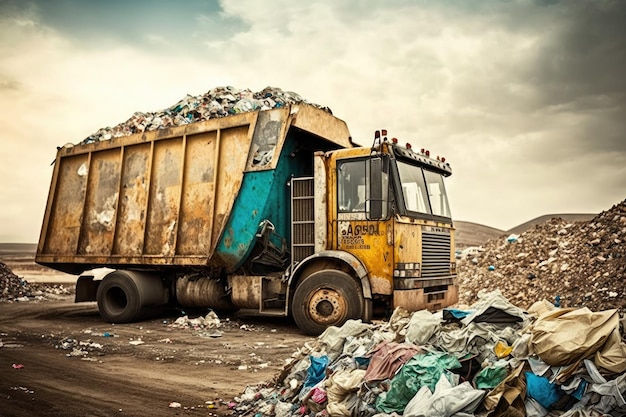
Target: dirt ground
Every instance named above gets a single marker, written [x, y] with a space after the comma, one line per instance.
[58, 358]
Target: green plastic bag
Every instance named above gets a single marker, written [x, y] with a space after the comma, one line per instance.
[423, 369]
[490, 377]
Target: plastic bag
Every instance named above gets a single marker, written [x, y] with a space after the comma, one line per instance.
[316, 371]
[421, 370]
[542, 390]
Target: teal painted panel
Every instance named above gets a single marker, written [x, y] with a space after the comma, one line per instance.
[248, 211]
[263, 195]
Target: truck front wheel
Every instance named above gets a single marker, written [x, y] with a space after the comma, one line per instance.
[326, 298]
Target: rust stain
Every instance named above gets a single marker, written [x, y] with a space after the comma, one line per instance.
[380, 285]
[229, 238]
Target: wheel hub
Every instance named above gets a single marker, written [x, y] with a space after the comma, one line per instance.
[327, 306]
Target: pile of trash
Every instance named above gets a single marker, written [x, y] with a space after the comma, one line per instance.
[573, 264]
[493, 359]
[205, 326]
[11, 286]
[14, 288]
[217, 102]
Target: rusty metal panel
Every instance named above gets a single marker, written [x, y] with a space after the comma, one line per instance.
[367, 240]
[98, 226]
[131, 214]
[234, 144]
[164, 200]
[268, 139]
[196, 212]
[414, 300]
[320, 123]
[408, 237]
[67, 206]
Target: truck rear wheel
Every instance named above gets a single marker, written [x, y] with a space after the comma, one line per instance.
[122, 295]
[326, 298]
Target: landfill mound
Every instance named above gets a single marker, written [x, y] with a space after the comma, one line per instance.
[572, 264]
[493, 359]
[14, 288]
[215, 103]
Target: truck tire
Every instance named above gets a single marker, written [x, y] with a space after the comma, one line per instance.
[123, 295]
[326, 298]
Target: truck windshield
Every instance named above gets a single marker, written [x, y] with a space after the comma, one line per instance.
[423, 190]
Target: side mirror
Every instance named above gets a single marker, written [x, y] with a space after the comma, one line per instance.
[376, 200]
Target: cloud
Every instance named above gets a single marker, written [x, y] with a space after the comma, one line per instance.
[54, 92]
[583, 57]
[524, 98]
[8, 85]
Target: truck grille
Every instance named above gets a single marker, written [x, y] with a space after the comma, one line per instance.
[435, 254]
[302, 219]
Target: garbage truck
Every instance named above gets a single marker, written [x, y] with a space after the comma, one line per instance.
[275, 210]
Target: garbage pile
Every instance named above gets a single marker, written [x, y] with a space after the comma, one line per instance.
[14, 288]
[573, 264]
[217, 102]
[11, 286]
[493, 359]
[207, 326]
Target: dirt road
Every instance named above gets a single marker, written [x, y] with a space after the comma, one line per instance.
[58, 358]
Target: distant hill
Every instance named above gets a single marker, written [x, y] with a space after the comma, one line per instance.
[570, 218]
[474, 234]
[18, 249]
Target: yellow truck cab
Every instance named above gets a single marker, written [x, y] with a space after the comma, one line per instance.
[387, 213]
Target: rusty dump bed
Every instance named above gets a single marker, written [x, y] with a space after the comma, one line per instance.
[165, 198]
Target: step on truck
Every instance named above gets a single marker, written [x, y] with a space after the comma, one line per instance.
[272, 210]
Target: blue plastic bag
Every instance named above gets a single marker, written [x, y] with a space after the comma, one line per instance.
[316, 371]
[542, 390]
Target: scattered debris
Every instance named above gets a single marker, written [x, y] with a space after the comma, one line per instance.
[78, 348]
[206, 326]
[583, 263]
[23, 389]
[10, 345]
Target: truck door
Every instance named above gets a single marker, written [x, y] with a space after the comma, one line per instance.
[370, 239]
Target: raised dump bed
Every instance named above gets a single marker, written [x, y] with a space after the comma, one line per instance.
[187, 196]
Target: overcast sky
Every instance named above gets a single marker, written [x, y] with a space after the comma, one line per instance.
[525, 99]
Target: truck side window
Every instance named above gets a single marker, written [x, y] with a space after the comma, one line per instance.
[351, 188]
